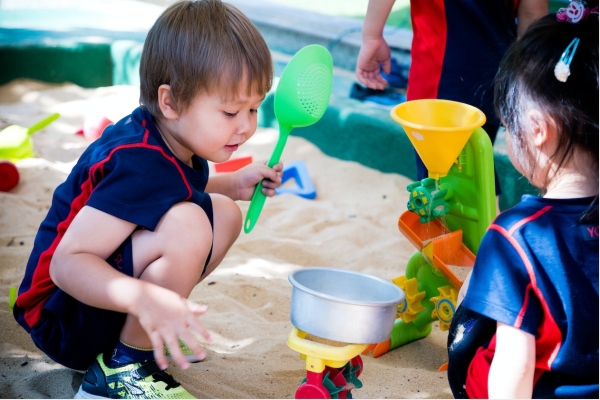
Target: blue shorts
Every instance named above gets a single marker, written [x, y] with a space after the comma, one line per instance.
[72, 333]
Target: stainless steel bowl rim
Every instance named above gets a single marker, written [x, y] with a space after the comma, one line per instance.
[303, 288]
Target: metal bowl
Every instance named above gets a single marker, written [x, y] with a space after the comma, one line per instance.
[344, 306]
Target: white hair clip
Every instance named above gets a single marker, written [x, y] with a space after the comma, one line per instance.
[562, 69]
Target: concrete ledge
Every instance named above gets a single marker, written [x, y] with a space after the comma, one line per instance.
[86, 65]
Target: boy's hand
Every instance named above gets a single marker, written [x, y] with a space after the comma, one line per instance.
[248, 177]
[167, 317]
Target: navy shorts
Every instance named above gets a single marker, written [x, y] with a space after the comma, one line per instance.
[72, 333]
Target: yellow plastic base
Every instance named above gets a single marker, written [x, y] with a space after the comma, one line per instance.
[319, 355]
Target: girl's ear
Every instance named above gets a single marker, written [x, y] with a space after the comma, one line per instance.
[542, 130]
[165, 102]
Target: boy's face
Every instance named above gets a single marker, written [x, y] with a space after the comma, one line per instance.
[213, 129]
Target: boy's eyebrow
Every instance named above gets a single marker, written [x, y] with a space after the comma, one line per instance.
[239, 101]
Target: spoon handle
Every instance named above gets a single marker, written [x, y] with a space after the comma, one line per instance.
[42, 124]
[259, 198]
[256, 205]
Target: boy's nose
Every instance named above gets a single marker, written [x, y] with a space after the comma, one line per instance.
[245, 126]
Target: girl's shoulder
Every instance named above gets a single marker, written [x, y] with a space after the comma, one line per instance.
[554, 220]
[532, 208]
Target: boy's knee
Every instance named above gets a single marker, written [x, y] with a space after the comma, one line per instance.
[189, 225]
[226, 213]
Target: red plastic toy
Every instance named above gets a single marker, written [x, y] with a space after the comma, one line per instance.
[9, 176]
[233, 165]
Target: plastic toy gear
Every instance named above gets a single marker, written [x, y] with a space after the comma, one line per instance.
[351, 372]
[427, 200]
[411, 306]
[334, 382]
[445, 306]
[331, 385]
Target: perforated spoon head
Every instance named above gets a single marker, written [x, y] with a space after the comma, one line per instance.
[304, 88]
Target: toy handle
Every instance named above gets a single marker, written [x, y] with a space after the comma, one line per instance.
[42, 124]
[259, 198]
[256, 205]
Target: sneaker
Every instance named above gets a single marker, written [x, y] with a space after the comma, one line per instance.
[131, 381]
[187, 352]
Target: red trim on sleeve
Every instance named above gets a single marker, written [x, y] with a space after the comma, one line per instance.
[100, 164]
[519, 320]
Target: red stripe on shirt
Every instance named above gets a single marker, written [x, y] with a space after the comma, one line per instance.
[548, 339]
[42, 286]
[100, 164]
[528, 219]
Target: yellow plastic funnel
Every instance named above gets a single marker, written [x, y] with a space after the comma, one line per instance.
[438, 129]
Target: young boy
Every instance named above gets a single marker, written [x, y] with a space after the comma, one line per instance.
[138, 222]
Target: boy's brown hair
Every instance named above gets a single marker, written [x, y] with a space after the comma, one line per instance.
[203, 46]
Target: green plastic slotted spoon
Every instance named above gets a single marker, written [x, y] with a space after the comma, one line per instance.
[301, 99]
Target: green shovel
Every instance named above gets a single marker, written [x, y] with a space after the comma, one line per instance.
[15, 140]
[301, 99]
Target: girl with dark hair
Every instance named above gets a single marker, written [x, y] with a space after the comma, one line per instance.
[528, 325]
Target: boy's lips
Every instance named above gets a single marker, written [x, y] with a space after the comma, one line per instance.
[231, 147]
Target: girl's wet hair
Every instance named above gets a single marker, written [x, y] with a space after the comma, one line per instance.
[526, 78]
[203, 46]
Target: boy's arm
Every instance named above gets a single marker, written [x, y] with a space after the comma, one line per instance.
[513, 366]
[240, 185]
[79, 268]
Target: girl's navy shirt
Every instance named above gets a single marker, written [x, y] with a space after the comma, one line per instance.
[537, 270]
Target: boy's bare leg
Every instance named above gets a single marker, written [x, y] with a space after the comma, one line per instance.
[173, 256]
[227, 221]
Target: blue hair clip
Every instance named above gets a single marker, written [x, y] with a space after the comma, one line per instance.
[562, 70]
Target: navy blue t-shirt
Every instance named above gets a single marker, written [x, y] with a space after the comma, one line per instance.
[537, 270]
[130, 173]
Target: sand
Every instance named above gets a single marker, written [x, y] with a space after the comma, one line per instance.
[350, 225]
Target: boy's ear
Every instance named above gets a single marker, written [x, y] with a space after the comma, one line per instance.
[165, 102]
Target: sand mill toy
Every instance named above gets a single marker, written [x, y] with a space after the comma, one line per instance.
[336, 314]
[448, 213]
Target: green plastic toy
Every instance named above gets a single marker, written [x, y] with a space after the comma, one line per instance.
[448, 214]
[12, 297]
[301, 99]
[15, 140]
